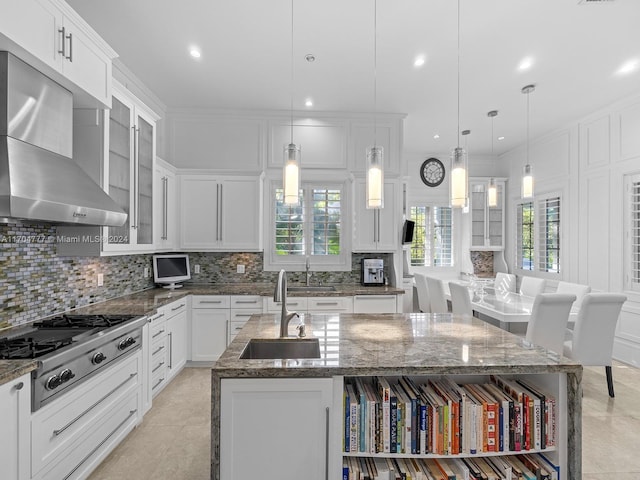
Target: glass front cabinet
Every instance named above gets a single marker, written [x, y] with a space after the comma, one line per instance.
[487, 222]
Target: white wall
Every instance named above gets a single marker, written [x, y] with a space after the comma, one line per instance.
[586, 162]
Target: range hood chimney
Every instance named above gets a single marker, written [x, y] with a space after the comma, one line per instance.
[38, 178]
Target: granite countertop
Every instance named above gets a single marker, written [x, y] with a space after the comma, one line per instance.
[394, 344]
[12, 369]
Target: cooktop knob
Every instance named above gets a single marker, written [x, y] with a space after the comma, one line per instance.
[66, 375]
[98, 358]
[52, 382]
[127, 342]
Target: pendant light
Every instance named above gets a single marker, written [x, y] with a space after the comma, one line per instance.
[492, 189]
[291, 171]
[459, 162]
[527, 172]
[375, 154]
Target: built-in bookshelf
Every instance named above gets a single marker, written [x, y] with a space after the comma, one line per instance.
[453, 426]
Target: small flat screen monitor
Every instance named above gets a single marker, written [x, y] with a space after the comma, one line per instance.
[171, 269]
[407, 232]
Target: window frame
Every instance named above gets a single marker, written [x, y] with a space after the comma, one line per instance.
[431, 206]
[275, 262]
[631, 244]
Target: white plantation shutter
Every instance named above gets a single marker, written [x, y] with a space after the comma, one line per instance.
[524, 236]
[432, 236]
[632, 250]
[548, 249]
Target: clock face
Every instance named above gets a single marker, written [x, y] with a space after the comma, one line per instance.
[432, 172]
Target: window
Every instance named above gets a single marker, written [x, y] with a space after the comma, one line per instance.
[312, 228]
[538, 235]
[432, 244]
[632, 237]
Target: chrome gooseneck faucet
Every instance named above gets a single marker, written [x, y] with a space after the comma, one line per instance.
[280, 295]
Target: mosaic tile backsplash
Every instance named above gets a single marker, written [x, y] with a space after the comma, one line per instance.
[35, 282]
[482, 262]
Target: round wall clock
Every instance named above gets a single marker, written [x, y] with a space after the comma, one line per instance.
[432, 172]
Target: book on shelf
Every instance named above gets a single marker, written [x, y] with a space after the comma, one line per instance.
[520, 406]
[383, 472]
[506, 420]
[438, 421]
[519, 468]
[363, 415]
[410, 394]
[476, 427]
[502, 467]
[385, 392]
[346, 409]
[459, 467]
[548, 408]
[374, 415]
[353, 419]
[445, 469]
[486, 469]
[551, 466]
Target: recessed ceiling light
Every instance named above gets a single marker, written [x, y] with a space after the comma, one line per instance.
[419, 61]
[194, 52]
[308, 102]
[629, 66]
[436, 136]
[500, 138]
[525, 64]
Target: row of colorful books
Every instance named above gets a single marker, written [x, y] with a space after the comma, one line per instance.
[534, 466]
[441, 417]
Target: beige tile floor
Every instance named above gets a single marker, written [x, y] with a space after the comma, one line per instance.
[173, 441]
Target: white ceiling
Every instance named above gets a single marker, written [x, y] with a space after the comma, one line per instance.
[246, 59]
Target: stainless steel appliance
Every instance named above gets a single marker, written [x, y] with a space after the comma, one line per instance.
[71, 349]
[372, 271]
[38, 178]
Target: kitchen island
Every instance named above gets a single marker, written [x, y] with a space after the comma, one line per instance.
[364, 345]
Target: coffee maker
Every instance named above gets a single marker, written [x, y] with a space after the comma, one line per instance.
[372, 271]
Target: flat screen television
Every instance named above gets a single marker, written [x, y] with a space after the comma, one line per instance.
[407, 232]
[171, 269]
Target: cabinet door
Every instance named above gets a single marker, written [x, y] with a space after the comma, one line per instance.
[144, 155]
[282, 423]
[375, 304]
[495, 220]
[375, 230]
[487, 223]
[198, 212]
[15, 412]
[177, 328]
[208, 333]
[239, 214]
[164, 209]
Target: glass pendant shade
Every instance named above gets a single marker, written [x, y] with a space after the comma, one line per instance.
[459, 184]
[291, 174]
[375, 180]
[492, 193]
[527, 182]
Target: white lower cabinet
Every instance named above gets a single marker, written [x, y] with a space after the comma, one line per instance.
[177, 330]
[242, 307]
[15, 410]
[375, 304]
[72, 435]
[210, 315]
[288, 425]
[320, 305]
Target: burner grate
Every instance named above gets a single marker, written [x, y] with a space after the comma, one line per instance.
[83, 321]
[30, 347]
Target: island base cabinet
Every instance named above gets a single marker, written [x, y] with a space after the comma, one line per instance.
[210, 317]
[283, 425]
[15, 410]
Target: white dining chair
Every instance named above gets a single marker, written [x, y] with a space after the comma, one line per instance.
[460, 299]
[577, 289]
[532, 286]
[424, 305]
[505, 282]
[594, 331]
[436, 295]
[548, 322]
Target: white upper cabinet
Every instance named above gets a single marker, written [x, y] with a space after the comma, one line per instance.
[50, 33]
[387, 135]
[165, 195]
[220, 213]
[376, 230]
[487, 223]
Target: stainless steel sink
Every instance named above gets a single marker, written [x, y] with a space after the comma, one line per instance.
[312, 288]
[270, 348]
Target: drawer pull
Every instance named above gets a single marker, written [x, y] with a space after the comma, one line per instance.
[178, 307]
[158, 350]
[131, 414]
[60, 430]
[155, 369]
[158, 333]
[252, 302]
[238, 328]
[244, 314]
[157, 317]
[326, 303]
[157, 384]
[210, 301]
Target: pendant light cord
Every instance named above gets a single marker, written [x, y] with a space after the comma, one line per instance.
[375, 72]
[291, 71]
[458, 47]
[528, 115]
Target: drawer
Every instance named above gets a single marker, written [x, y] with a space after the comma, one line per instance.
[210, 301]
[157, 330]
[330, 304]
[234, 329]
[246, 301]
[57, 425]
[296, 304]
[158, 356]
[175, 308]
[243, 315]
[158, 380]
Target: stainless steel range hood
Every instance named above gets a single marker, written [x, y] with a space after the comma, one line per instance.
[38, 178]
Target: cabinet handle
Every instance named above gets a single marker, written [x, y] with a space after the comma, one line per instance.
[160, 332]
[253, 302]
[62, 42]
[136, 172]
[165, 206]
[19, 385]
[60, 430]
[157, 384]
[158, 316]
[210, 301]
[131, 414]
[170, 350]
[326, 303]
[155, 369]
[326, 444]
[70, 57]
[243, 314]
[178, 307]
[158, 350]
